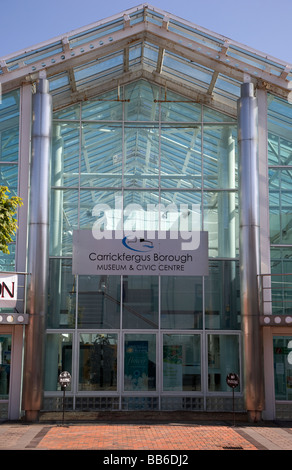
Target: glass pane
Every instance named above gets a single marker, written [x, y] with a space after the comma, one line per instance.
[222, 297]
[69, 113]
[7, 261]
[99, 301]
[63, 220]
[140, 302]
[62, 294]
[58, 358]
[283, 367]
[105, 107]
[223, 359]
[5, 363]
[9, 178]
[65, 154]
[101, 210]
[102, 155]
[187, 70]
[220, 157]
[140, 102]
[9, 127]
[95, 70]
[141, 210]
[279, 126]
[281, 281]
[181, 363]
[280, 192]
[211, 115]
[181, 210]
[98, 362]
[181, 302]
[9, 140]
[141, 156]
[140, 362]
[279, 150]
[181, 157]
[221, 222]
[175, 108]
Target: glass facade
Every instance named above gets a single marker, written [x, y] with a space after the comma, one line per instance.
[134, 337]
[9, 151]
[148, 154]
[280, 199]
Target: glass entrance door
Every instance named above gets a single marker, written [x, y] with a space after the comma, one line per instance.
[5, 364]
[139, 362]
[283, 367]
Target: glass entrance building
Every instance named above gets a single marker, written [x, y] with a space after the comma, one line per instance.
[144, 123]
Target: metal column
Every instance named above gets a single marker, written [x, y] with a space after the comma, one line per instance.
[37, 250]
[249, 250]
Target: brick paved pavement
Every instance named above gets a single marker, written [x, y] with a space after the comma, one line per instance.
[148, 437]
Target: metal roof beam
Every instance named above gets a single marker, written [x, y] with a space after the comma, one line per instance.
[210, 58]
[160, 36]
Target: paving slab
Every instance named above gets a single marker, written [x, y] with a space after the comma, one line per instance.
[171, 438]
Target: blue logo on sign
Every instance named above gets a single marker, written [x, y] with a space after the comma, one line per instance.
[137, 244]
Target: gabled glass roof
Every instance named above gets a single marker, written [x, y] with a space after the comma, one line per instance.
[146, 42]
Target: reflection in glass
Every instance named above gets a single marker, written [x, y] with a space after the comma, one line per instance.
[7, 260]
[221, 222]
[106, 107]
[141, 156]
[279, 149]
[211, 115]
[140, 302]
[222, 300]
[9, 178]
[65, 154]
[181, 363]
[140, 211]
[223, 359]
[62, 294]
[281, 280]
[140, 362]
[98, 362]
[102, 157]
[9, 134]
[100, 210]
[181, 210]
[9, 141]
[140, 102]
[219, 161]
[174, 108]
[181, 302]
[181, 162]
[58, 358]
[99, 301]
[280, 201]
[279, 126]
[63, 220]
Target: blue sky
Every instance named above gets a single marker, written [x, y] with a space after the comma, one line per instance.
[264, 25]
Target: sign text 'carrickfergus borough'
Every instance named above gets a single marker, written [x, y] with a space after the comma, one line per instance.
[163, 240]
[133, 255]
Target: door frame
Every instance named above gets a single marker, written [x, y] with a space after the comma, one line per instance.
[15, 385]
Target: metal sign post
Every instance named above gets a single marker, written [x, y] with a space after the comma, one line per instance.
[232, 380]
[65, 381]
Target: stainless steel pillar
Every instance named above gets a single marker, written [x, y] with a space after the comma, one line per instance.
[249, 250]
[37, 250]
